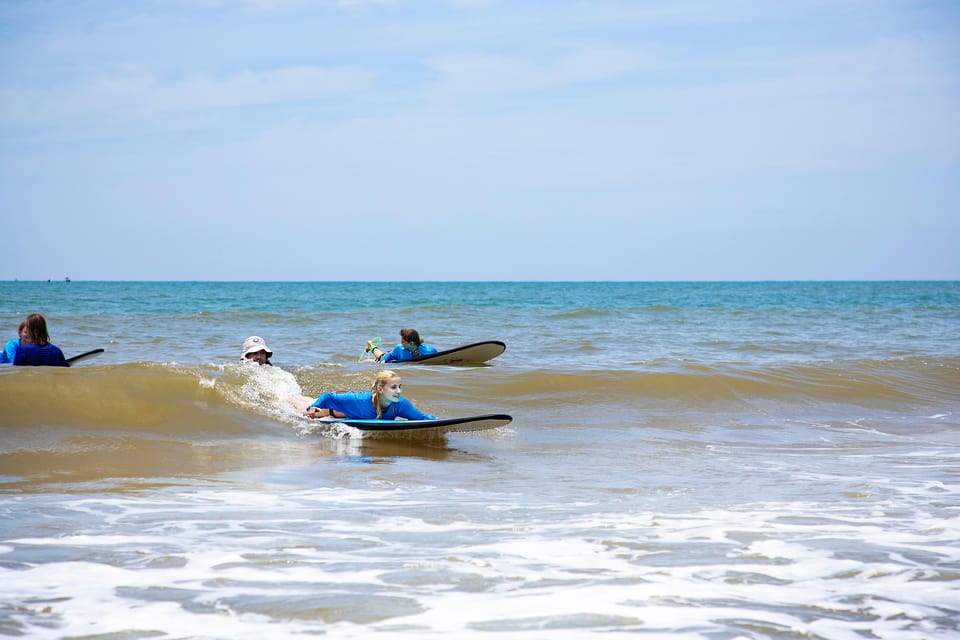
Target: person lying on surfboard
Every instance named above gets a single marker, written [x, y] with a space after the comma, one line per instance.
[410, 347]
[382, 402]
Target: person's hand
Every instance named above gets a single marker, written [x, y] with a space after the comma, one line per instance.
[314, 412]
[370, 346]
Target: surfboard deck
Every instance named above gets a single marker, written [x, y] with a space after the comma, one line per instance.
[444, 425]
[83, 356]
[476, 353]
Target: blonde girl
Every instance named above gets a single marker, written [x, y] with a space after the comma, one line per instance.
[383, 402]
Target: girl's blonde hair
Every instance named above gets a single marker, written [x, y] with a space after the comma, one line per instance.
[378, 382]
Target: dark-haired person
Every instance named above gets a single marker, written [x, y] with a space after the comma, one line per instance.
[410, 347]
[35, 348]
[10, 349]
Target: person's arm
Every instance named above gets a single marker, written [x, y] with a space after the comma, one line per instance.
[8, 353]
[319, 410]
[405, 409]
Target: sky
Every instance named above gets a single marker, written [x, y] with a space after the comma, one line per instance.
[399, 140]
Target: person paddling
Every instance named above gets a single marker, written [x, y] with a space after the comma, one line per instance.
[382, 402]
[410, 347]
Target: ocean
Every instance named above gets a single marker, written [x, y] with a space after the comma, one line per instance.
[686, 460]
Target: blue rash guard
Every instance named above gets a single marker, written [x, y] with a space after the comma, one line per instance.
[49, 355]
[401, 353]
[359, 406]
[9, 351]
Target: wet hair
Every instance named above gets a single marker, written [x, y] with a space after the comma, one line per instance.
[382, 377]
[411, 335]
[36, 326]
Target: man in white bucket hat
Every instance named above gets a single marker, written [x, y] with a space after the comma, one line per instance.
[256, 350]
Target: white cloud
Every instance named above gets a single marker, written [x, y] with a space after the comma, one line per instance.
[136, 94]
[494, 74]
[293, 84]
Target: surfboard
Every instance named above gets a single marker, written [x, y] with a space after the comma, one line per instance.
[83, 356]
[469, 423]
[476, 353]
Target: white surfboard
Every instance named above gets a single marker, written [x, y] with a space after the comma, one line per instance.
[476, 353]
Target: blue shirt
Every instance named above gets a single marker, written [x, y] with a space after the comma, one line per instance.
[49, 355]
[401, 353]
[359, 406]
[9, 351]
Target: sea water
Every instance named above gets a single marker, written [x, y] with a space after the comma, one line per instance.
[686, 460]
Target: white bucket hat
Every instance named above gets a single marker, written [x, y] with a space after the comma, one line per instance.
[254, 344]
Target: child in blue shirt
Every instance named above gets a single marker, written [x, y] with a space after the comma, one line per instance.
[410, 347]
[382, 402]
[10, 349]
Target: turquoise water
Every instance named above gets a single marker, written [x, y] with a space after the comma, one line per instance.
[557, 323]
[697, 460]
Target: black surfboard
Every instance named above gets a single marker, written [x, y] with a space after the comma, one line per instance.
[469, 423]
[83, 356]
